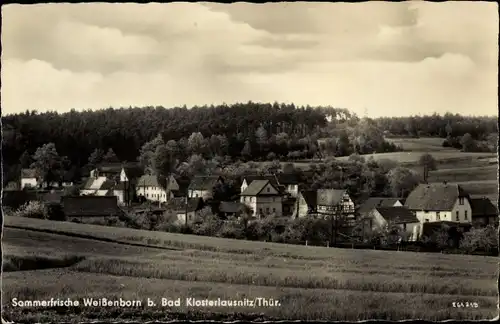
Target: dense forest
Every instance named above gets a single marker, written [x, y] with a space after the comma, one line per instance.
[244, 132]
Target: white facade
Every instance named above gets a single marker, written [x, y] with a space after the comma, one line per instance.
[267, 202]
[199, 194]
[153, 193]
[244, 185]
[293, 190]
[461, 212]
[29, 183]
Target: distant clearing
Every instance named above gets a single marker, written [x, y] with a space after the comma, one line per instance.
[311, 283]
[422, 144]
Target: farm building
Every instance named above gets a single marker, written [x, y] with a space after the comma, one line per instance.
[186, 209]
[437, 202]
[483, 212]
[380, 217]
[149, 188]
[29, 178]
[202, 186]
[374, 202]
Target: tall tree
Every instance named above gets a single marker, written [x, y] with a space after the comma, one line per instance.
[247, 150]
[162, 165]
[261, 136]
[110, 157]
[402, 181]
[25, 160]
[47, 163]
[467, 142]
[428, 163]
[148, 151]
[96, 157]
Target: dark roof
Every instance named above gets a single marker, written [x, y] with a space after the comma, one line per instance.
[374, 202]
[311, 198]
[231, 206]
[397, 215]
[90, 206]
[482, 207]
[179, 204]
[250, 178]
[53, 196]
[107, 185]
[148, 181]
[110, 167]
[256, 187]
[133, 171]
[28, 173]
[204, 182]
[183, 183]
[329, 197]
[434, 196]
[288, 178]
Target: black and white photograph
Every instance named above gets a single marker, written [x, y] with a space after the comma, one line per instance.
[259, 162]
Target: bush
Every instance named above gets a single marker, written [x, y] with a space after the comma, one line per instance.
[232, 229]
[33, 209]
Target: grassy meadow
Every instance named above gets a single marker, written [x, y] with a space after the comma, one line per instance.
[311, 283]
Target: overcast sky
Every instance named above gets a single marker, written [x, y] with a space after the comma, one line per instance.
[382, 58]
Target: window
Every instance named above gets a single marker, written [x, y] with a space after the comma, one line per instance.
[458, 218]
[267, 189]
[260, 210]
[438, 216]
[274, 210]
[465, 216]
[461, 200]
[426, 220]
[267, 210]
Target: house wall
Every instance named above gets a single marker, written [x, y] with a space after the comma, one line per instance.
[181, 217]
[463, 211]
[28, 182]
[347, 206]
[123, 176]
[464, 214]
[172, 184]
[153, 193]
[244, 185]
[120, 195]
[199, 194]
[303, 208]
[269, 206]
[397, 204]
[293, 190]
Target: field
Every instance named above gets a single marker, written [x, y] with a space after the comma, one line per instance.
[422, 144]
[311, 283]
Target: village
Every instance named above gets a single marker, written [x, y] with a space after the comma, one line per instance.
[119, 189]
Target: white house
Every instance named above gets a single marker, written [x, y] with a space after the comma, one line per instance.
[202, 186]
[263, 198]
[148, 187]
[29, 178]
[436, 202]
[380, 217]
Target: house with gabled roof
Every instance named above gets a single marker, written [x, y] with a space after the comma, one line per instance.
[306, 203]
[380, 217]
[29, 178]
[203, 186]
[334, 200]
[149, 188]
[246, 180]
[186, 209]
[178, 185]
[484, 212]
[263, 198]
[436, 202]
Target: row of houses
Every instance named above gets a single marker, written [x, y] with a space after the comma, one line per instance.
[280, 195]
